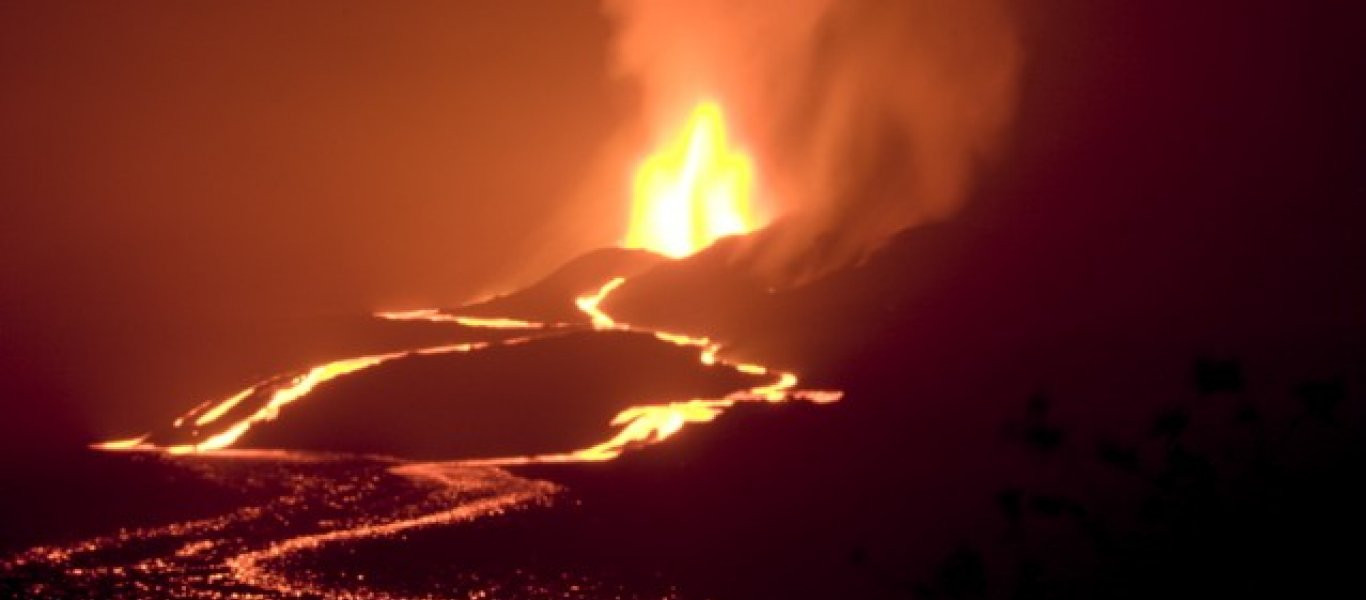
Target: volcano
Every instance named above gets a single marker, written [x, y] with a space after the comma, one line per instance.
[999, 381]
[690, 193]
[1073, 311]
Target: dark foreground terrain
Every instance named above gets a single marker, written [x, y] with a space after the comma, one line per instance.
[1215, 477]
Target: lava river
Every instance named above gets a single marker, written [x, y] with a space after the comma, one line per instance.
[313, 503]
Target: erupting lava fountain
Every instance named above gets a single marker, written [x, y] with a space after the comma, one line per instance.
[693, 191]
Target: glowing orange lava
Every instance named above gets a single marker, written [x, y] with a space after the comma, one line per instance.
[694, 190]
[436, 316]
[589, 305]
[646, 424]
[637, 426]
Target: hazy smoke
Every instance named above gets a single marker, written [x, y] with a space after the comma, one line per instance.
[865, 116]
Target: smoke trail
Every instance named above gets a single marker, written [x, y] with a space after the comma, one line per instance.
[866, 116]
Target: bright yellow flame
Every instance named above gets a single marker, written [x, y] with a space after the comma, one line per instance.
[692, 191]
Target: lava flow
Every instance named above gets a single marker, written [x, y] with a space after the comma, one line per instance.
[694, 191]
[651, 423]
[328, 501]
[639, 425]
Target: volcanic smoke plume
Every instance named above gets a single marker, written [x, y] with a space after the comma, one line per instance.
[865, 116]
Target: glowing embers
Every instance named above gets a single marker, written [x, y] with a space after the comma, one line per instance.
[302, 508]
[694, 190]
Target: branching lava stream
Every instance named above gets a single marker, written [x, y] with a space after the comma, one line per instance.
[326, 500]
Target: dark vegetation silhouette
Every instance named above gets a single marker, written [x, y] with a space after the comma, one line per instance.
[1251, 506]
